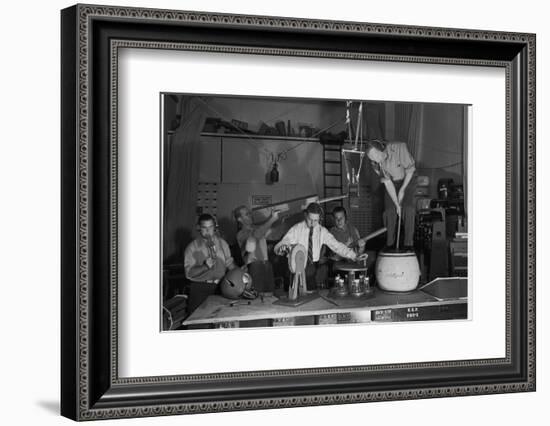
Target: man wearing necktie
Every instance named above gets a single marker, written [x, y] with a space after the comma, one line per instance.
[312, 235]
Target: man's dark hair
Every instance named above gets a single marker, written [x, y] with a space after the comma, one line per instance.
[237, 212]
[314, 208]
[340, 209]
[205, 217]
[376, 143]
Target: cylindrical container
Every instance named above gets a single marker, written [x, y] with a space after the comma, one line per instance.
[351, 277]
[397, 271]
[356, 288]
[366, 283]
[340, 288]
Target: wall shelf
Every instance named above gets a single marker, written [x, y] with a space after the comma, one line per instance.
[260, 137]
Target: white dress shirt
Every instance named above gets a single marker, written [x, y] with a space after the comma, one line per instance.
[299, 234]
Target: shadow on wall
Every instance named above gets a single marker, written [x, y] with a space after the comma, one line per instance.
[227, 226]
[184, 236]
[52, 407]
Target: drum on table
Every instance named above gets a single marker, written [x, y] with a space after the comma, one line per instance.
[397, 270]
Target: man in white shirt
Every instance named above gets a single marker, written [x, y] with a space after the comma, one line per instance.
[312, 235]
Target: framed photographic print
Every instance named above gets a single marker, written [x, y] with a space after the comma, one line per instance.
[264, 212]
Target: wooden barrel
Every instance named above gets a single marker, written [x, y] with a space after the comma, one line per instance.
[397, 271]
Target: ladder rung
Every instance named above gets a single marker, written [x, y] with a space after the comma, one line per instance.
[333, 161]
[333, 187]
[333, 149]
[333, 174]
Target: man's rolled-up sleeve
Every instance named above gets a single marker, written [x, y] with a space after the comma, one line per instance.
[405, 158]
[188, 260]
[229, 261]
[336, 246]
[289, 239]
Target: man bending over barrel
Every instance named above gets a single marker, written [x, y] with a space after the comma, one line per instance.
[395, 166]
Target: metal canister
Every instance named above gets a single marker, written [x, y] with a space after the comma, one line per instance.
[356, 288]
[340, 287]
[366, 283]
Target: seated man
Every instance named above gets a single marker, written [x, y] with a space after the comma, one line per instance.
[312, 236]
[251, 239]
[345, 232]
[207, 258]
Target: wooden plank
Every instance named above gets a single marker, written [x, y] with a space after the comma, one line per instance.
[219, 309]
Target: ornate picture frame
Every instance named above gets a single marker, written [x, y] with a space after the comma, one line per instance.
[91, 39]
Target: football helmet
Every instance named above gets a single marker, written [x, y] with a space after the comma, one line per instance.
[237, 284]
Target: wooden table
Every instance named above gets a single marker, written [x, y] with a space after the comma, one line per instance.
[445, 299]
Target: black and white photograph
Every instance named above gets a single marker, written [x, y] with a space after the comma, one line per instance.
[312, 212]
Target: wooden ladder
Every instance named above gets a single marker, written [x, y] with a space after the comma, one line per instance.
[332, 176]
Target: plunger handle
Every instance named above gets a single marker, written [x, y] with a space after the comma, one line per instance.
[398, 230]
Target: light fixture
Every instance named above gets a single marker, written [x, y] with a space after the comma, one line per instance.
[274, 174]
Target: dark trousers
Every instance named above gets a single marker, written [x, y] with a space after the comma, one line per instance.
[198, 292]
[316, 275]
[261, 272]
[407, 215]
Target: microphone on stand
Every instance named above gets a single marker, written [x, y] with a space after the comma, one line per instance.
[211, 248]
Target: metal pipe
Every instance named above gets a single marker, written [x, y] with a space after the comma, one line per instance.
[398, 230]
